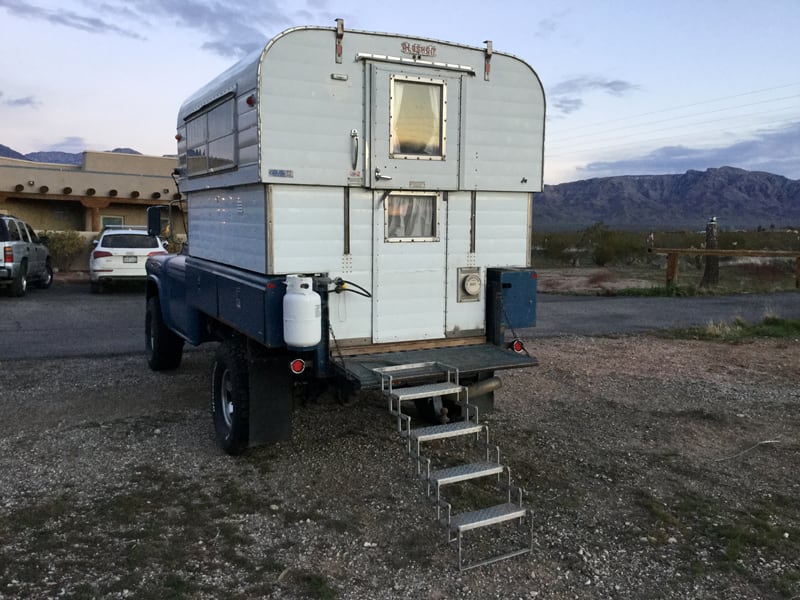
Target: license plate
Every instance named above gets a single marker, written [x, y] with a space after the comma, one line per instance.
[129, 259]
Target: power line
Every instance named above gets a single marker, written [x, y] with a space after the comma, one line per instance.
[572, 149]
[584, 136]
[680, 107]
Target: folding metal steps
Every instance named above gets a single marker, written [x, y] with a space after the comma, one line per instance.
[438, 381]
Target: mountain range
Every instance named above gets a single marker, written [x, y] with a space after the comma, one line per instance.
[739, 199]
[62, 158]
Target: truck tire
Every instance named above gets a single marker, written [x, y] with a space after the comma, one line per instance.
[46, 280]
[230, 397]
[164, 349]
[20, 283]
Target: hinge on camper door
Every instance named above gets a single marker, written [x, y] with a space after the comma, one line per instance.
[487, 61]
[339, 36]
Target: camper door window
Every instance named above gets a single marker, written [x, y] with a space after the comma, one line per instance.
[210, 139]
[411, 218]
[417, 118]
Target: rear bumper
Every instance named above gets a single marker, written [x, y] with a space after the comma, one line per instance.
[469, 360]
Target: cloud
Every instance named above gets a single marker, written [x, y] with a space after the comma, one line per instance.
[774, 150]
[545, 28]
[69, 144]
[587, 83]
[566, 105]
[567, 96]
[28, 101]
[64, 18]
[228, 28]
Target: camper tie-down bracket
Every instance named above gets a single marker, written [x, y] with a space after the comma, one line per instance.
[339, 36]
[487, 61]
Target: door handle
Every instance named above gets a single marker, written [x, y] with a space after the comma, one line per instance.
[380, 177]
[354, 137]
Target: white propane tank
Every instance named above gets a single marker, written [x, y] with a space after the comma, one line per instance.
[302, 313]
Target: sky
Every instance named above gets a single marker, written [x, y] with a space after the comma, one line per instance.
[633, 87]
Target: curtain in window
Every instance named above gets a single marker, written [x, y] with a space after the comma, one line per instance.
[411, 217]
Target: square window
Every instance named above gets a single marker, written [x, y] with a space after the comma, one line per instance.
[411, 218]
[417, 119]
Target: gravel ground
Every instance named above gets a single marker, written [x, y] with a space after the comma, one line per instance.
[656, 469]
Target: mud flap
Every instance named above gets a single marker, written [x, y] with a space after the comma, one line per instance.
[271, 383]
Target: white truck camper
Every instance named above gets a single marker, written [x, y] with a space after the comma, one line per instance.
[360, 208]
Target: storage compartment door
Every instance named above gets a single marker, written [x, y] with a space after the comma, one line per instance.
[408, 267]
[414, 128]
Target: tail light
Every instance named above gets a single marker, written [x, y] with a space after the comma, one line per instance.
[8, 254]
[101, 254]
[155, 252]
[517, 346]
[297, 366]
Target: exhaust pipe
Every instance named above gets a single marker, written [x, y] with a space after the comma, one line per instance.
[485, 386]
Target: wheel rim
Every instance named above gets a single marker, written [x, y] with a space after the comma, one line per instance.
[226, 398]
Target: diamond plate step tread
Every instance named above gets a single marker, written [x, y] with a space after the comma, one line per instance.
[487, 516]
[427, 390]
[465, 472]
[438, 432]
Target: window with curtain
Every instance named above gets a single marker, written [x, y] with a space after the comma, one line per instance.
[417, 118]
[411, 218]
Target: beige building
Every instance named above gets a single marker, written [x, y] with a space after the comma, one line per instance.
[108, 188]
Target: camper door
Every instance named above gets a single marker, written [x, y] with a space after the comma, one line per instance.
[414, 128]
[414, 141]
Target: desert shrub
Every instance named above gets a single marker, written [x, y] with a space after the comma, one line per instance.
[64, 246]
[554, 247]
[612, 246]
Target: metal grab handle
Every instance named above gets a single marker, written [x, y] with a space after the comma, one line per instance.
[380, 177]
[354, 137]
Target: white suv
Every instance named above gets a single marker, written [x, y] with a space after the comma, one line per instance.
[120, 255]
[25, 257]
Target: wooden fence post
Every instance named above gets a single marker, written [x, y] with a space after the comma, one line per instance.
[672, 268]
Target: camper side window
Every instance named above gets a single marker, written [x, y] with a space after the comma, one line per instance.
[210, 140]
[411, 218]
[417, 118]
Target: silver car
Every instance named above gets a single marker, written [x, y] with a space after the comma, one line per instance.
[25, 257]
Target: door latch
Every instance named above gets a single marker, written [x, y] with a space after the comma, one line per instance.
[380, 177]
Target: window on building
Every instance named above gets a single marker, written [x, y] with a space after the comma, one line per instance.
[418, 118]
[411, 217]
[111, 221]
[210, 140]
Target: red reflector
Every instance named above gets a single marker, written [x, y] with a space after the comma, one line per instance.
[101, 254]
[517, 346]
[534, 276]
[297, 366]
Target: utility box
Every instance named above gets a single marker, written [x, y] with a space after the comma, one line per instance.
[511, 300]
